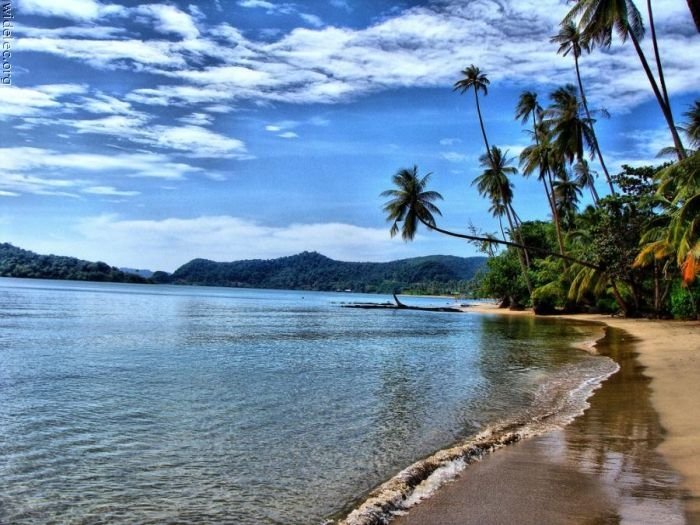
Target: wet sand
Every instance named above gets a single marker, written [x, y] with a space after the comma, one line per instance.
[631, 458]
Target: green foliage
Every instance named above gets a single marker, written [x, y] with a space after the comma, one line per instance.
[685, 302]
[547, 298]
[435, 275]
[503, 278]
[16, 262]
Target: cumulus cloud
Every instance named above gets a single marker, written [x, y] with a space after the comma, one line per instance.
[423, 46]
[25, 101]
[168, 243]
[169, 19]
[75, 9]
[21, 163]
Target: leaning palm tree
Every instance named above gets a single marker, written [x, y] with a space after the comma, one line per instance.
[597, 19]
[411, 203]
[474, 78]
[570, 41]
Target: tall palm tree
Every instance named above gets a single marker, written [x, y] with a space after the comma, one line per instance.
[692, 126]
[571, 132]
[570, 41]
[585, 178]
[494, 184]
[539, 156]
[475, 79]
[598, 18]
[568, 192]
[411, 203]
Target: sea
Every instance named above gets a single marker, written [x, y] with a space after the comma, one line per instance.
[126, 403]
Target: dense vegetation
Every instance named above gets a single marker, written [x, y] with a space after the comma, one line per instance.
[636, 250]
[16, 262]
[313, 271]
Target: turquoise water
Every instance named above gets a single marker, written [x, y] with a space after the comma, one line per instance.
[161, 404]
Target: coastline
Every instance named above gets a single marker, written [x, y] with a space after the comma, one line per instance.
[669, 351]
[668, 354]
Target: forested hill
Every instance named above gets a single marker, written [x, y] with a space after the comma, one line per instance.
[16, 262]
[436, 274]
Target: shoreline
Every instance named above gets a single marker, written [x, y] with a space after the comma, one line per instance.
[669, 353]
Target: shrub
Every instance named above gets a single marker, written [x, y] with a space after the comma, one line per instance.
[546, 298]
[684, 302]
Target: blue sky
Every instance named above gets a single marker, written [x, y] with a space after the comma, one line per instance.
[147, 134]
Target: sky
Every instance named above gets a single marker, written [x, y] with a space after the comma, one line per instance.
[147, 134]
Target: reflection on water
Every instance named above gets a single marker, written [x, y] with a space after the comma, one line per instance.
[150, 404]
[615, 440]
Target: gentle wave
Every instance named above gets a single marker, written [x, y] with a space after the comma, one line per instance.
[560, 399]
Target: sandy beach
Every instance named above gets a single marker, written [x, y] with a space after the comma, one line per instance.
[633, 457]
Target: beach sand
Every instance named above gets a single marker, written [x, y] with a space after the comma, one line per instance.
[632, 457]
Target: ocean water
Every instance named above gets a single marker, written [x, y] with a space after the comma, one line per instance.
[160, 404]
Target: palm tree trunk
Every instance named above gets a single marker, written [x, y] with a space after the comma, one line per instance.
[550, 197]
[511, 244]
[596, 145]
[618, 298]
[657, 57]
[555, 211]
[695, 11]
[680, 150]
[521, 252]
[481, 123]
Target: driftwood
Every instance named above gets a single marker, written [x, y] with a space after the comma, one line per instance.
[400, 306]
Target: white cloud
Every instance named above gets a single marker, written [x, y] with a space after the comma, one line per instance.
[27, 160]
[25, 101]
[76, 9]
[166, 244]
[288, 135]
[197, 119]
[109, 191]
[312, 20]
[453, 156]
[109, 54]
[450, 141]
[169, 19]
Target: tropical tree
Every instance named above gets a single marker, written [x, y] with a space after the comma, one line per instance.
[411, 203]
[570, 41]
[597, 19]
[476, 80]
[567, 191]
[538, 156]
[585, 178]
[692, 126]
[571, 133]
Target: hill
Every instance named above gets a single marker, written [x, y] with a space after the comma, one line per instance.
[437, 274]
[16, 262]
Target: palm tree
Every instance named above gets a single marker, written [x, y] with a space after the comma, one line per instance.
[585, 178]
[571, 133]
[692, 126]
[494, 184]
[598, 19]
[473, 78]
[568, 192]
[411, 203]
[570, 41]
[538, 156]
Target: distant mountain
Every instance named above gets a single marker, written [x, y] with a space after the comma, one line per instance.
[437, 274]
[146, 274]
[16, 262]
